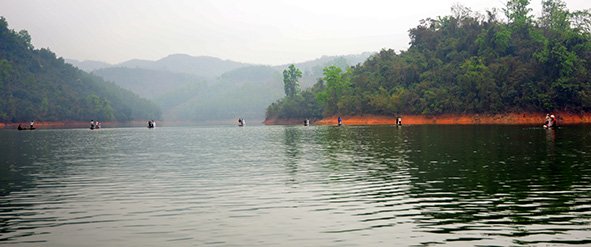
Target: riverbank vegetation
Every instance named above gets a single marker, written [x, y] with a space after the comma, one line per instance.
[36, 85]
[465, 63]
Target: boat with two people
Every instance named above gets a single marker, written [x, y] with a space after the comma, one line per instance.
[95, 124]
[31, 126]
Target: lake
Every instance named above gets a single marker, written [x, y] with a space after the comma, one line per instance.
[296, 186]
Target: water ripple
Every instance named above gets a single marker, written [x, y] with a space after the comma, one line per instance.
[296, 186]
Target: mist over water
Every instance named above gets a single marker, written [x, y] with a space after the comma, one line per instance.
[296, 186]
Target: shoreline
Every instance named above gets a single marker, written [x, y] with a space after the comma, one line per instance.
[73, 124]
[564, 118]
[120, 124]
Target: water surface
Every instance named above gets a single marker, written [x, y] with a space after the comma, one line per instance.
[296, 186]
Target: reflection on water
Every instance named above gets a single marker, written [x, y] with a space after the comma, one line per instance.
[296, 186]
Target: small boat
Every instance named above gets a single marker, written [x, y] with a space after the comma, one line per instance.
[22, 128]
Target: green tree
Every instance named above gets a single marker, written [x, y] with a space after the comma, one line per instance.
[337, 84]
[518, 12]
[291, 77]
[555, 16]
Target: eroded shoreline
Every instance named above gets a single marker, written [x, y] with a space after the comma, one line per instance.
[447, 119]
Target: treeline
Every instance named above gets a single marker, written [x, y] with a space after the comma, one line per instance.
[465, 63]
[35, 85]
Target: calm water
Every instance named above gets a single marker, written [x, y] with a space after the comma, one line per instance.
[296, 186]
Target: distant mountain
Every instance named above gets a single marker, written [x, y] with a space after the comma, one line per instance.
[148, 83]
[88, 65]
[244, 92]
[260, 74]
[137, 64]
[204, 66]
[215, 89]
[211, 67]
[36, 85]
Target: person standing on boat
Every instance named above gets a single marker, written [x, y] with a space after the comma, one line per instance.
[399, 121]
[340, 121]
[31, 126]
[92, 124]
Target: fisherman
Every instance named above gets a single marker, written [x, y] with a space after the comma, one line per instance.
[240, 122]
[92, 124]
[399, 121]
[32, 124]
[553, 122]
[340, 121]
[306, 122]
[547, 121]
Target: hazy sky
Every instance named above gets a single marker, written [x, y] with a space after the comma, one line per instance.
[255, 31]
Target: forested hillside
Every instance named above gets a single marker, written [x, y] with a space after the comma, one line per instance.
[466, 63]
[35, 85]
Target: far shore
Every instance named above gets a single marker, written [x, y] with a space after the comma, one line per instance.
[120, 124]
[72, 124]
[563, 118]
[447, 119]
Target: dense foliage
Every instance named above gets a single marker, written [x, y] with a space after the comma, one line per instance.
[35, 85]
[466, 63]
